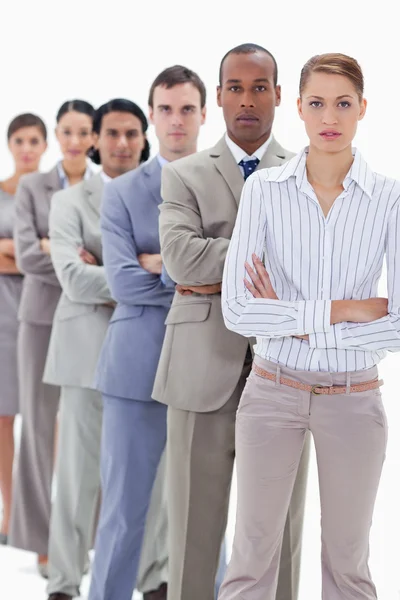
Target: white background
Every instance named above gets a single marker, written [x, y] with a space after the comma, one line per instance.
[53, 50]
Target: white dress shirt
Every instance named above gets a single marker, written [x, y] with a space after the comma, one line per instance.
[239, 154]
[106, 178]
[63, 176]
[161, 160]
[312, 260]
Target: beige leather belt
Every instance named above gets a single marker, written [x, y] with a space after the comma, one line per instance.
[320, 389]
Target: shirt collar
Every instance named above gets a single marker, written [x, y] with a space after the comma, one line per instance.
[63, 176]
[239, 154]
[106, 178]
[162, 161]
[359, 172]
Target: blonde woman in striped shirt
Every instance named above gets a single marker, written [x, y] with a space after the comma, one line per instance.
[301, 275]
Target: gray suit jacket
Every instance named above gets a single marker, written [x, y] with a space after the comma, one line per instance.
[129, 224]
[201, 361]
[41, 290]
[81, 318]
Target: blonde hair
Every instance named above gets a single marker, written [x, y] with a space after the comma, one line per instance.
[334, 64]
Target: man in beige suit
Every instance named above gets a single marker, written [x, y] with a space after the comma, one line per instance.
[204, 366]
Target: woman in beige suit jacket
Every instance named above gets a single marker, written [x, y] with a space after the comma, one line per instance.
[26, 138]
[31, 504]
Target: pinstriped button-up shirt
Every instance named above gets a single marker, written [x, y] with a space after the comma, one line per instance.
[312, 260]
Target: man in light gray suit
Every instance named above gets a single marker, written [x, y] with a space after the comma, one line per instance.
[134, 425]
[80, 325]
[203, 366]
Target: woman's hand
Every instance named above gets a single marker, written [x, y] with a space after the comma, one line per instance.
[45, 245]
[261, 286]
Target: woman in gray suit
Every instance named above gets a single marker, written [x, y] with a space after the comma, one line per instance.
[26, 138]
[31, 503]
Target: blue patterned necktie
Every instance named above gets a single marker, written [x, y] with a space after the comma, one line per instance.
[249, 166]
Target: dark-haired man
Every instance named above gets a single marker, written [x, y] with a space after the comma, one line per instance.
[79, 327]
[134, 425]
[203, 365]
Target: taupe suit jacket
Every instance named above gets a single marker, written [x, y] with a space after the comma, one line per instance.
[201, 361]
[81, 318]
[41, 290]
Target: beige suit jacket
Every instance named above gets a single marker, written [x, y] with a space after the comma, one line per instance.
[201, 361]
[81, 318]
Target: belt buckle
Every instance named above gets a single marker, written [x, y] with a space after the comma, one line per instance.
[316, 387]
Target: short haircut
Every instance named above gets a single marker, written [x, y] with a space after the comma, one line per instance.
[249, 48]
[177, 75]
[119, 105]
[26, 120]
[334, 64]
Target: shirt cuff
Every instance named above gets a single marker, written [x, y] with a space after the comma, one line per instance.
[327, 339]
[316, 317]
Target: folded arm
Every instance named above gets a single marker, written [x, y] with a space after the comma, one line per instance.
[129, 282]
[190, 258]
[7, 257]
[7, 265]
[81, 282]
[365, 311]
[7, 247]
[255, 307]
[262, 317]
[166, 279]
[382, 333]
[30, 258]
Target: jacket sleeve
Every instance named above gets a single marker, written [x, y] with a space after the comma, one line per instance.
[129, 283]
[80, 282]
[29, 257]
[190, 258]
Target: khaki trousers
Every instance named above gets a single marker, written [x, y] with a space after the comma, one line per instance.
[350, 434]
[200, 458]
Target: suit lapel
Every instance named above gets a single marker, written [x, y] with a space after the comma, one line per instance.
[274, 156]
[152, 175]
[226, 165]
[52, 183]
[93, 189]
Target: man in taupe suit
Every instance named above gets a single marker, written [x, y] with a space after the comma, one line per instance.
[80, 325]
[204, 366]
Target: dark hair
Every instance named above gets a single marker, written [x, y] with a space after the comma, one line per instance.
[26, 120]
[119, 105]
[334, 64]
[177, 75]
[249, 49]
[80, 106]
